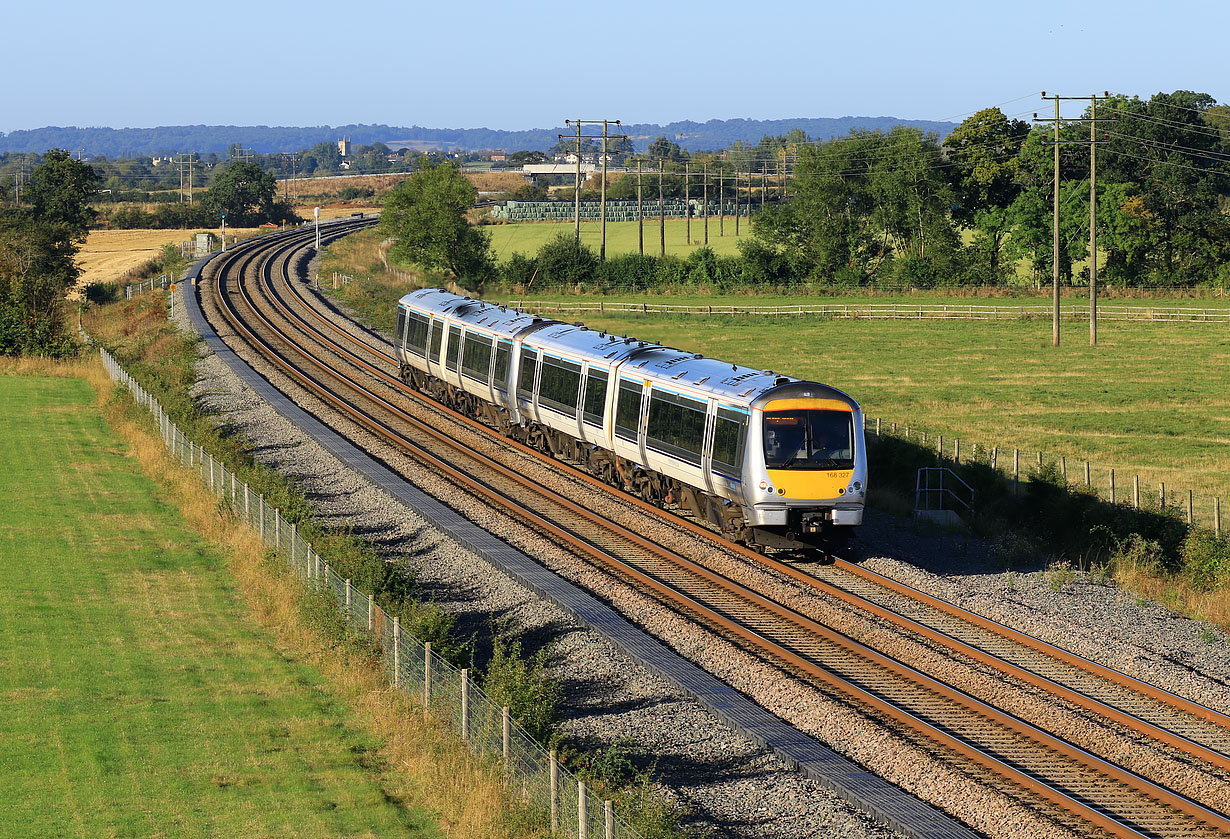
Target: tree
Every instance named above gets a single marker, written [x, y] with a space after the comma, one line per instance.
[243, 192]
[664, 149]
[984, 152]
[60, 191]
[36, 267]
[520, 158]
[426, 214]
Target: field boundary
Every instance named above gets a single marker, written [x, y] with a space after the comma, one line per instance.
[448, 694]
[892, 311]
[1177, 503]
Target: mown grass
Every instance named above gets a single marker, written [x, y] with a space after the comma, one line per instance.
[621, 236]
[141, 698]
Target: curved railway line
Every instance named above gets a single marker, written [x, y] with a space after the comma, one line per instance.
[350, 370]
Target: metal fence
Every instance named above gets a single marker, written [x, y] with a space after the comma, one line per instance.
[894, 311]
[1103, 481]
[448, 694]
[164, 282]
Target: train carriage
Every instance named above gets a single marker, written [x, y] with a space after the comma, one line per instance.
[771, 460]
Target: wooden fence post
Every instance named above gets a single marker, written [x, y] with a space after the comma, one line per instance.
[465, 707]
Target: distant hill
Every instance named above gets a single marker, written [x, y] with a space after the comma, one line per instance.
[206, 139]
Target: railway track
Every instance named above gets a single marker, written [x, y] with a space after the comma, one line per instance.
[1072, 785]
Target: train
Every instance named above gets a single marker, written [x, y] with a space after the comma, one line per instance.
[773, 462]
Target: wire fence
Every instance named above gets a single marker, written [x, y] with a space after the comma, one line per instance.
[893, 311]
[447, 693]
[1117, 487]
[163, 282]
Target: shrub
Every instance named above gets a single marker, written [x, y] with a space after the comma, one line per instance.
[522, 684]
[1206, 560]
[97, 292]
[563, 261]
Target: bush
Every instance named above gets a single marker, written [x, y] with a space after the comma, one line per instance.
[97, 292]
[563, 261]
[1206, 560]
[523, 685]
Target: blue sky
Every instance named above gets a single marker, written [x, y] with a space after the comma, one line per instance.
[533, 64]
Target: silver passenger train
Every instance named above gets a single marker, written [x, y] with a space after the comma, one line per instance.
[772, 461]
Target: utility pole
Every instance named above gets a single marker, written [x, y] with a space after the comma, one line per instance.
[661, 208]
[705, 199]
[687, 204]
[640, 210]
[721, 203]
[736, 202]
[1093, 121]
[604, 136]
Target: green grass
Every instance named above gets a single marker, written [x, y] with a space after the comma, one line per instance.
[139, 696]
[1152, 399]
[621, 237]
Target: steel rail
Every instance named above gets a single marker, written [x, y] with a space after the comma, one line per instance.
[1177, 802]
[1083, 700]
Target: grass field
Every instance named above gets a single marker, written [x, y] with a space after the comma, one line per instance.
[140, 698]
[621, 237]
[1152, 399]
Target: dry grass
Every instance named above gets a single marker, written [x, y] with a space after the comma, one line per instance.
[421, 761]
[1210, 606]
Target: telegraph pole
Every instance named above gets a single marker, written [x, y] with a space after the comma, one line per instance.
[687, 204]
[661, 208]
[604, 136]
[640, 210]
[705, 199]
[1093, 257]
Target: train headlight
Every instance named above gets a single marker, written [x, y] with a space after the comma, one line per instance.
[764, 484]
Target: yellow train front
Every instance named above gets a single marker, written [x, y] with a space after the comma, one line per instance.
[807, 478]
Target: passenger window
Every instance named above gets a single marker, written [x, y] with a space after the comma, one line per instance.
[503, 350]
[729, 438]
[676, 425]
[628, 409]
[437, 338]
[416, 335]
[400, 335]
[529, 367]
[559, 384]
[595, 396]
[476, 357]
[454, 347]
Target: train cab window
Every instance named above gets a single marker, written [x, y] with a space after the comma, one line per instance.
[595, 396]
[676, 425]
[454, 347]
[729, 438]
[400, 334]
[503, 351]
[628, 409]
[437, 338]
[529, 369]
[416, 334]
[809, 439]
[476, 356]
[559, 384]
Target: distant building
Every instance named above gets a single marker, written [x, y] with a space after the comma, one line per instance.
[343, 146]
[498, 157]
[158, 161]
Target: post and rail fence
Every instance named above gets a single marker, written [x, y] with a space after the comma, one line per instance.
[446, 693]
[888, 311]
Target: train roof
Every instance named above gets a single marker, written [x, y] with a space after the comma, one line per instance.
[479, 313]
[665, 366]
[695, 372]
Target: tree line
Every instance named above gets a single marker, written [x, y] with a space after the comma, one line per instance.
[977, 206]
